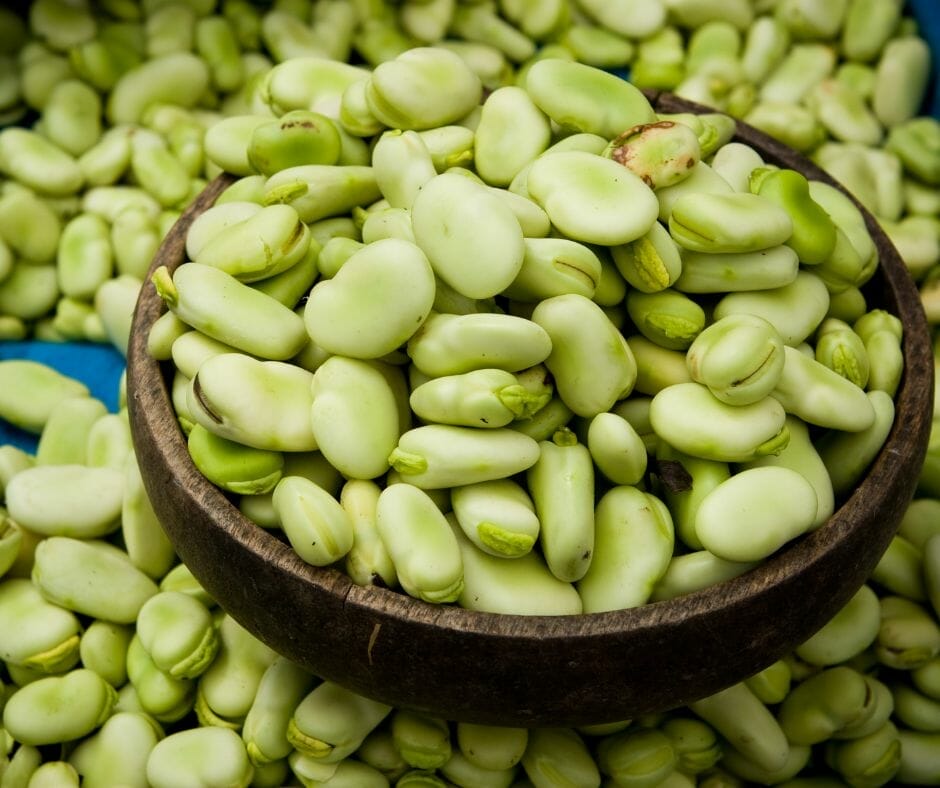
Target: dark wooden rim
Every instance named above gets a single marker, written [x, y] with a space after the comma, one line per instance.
[515, 670]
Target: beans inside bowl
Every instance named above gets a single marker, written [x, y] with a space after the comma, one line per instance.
[605, 613]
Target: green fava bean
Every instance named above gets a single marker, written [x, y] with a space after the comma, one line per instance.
[873, 758]
[421, 543]
[192, 348]
[755, 512]
[422, 88]
[739, 357]
[177, 631]
[634, 540]
[316, 525]
[901, 78]
[330, 722]
[367, 561]
[584, 196]
[354, 416]
[216, 303]
[442, 455]
[229, 685]
[616, 448]
[84, 259]
[36, 633]
[145, 541]
[824, 704]
[67, 500]
[843, 351]
[320, 191]
[847, 634]
[667, 317]
[352, 314]
[795, 309]
[177, 78]
[590, 360]
[458, 770]
[814, 233]
[478, 265]
[656, 366]
[554, 755]
[661, 153]
[422, 741]
[651, 262]
[297, 137]
[561, 483]
[117, 753]
[702, 178]
[402, 165]
[227, 142]
[263, 404]
[694, 571]
[486, 398]
[491, 747]
[39, 163]
[847, 454]
[637, 755]
[521, 585]
[264, 244]
[282, 687]
[555, 266]
[448, 344]
[908, 637]
[64, 569]
[65, 434]
[59, 708]
[586, 99]
[820, 396]
[104, 650]
[732, 222]
[45, 386]
[689, 417]
[734, 162]
[499, 155]
[800, 455]
[497, 516]
[201, 756]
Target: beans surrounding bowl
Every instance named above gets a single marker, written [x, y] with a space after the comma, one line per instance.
[530, 670]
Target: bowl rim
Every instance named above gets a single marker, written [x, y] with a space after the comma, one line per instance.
[889, 475]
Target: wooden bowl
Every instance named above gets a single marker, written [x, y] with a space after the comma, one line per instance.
[524, 670]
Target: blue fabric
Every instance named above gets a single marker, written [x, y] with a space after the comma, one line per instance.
[98, 366]
[927, 13]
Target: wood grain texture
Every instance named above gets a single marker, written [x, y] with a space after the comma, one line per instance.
[532, 671]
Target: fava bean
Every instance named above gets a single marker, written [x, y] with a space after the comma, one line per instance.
[633, 546]
[476, 265]
[67, 500]
[351, 314]
[773, 503]
[63, 570]
[580, 191]
[689, 417]
[330, 722]
[199, 756]
[231, 390]
[452, 344]
[36, 633]
[59, 708]
[420, 542]
[316, 525]
[586, 99]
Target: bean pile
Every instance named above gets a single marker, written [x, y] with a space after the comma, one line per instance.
[125, 112]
